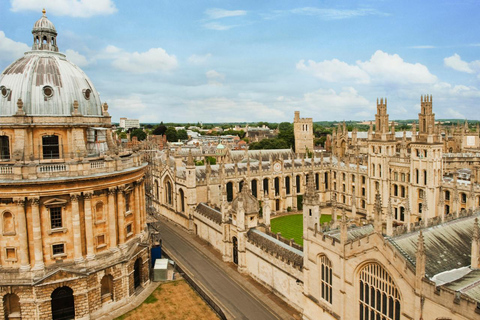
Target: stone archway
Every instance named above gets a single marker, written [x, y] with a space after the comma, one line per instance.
[137, 273]
[63, 305]
[11, 306]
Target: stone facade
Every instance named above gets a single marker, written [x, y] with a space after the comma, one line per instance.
[303, 132]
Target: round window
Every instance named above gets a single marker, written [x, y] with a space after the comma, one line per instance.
[4, 91]
[86, 93]
[48, 91]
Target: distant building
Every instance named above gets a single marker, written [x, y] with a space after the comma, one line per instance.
[303, 131]
[126, 123]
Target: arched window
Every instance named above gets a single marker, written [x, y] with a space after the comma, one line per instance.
[107, 288]
[395, 190]
[157, 195]
[298, 183]
[402, 214]
[240, 186]
[63, 304]
[402, 189]
[287, 184]
[8, 223]
[229, 191]
[4, 147]
[447, 209]
[254, 188]
[379, 297]
[11, 306]
[447, 195]
[363, 204]
[169, 194]
[463, 196]
[317, 181]
[417, 175]
[50, 147]
[99, 215]
[425, 177]
[326, 180]
[326, 279]
[420, 194]
[182, 200]
[265, 185]
[277, 186]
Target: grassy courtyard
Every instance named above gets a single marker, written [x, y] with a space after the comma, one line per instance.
[292, 226]
[172, 300]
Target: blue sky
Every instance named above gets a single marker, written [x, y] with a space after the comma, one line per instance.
[219, 61]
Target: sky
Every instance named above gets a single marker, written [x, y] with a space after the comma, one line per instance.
[237, 61]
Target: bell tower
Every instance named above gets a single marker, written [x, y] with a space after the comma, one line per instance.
[44, 34]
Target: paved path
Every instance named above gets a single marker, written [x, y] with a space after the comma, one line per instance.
[239, 297]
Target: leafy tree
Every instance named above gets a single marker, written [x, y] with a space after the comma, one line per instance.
[286, 133]
[139, 133]
[160, 130]
[269, 144]
[182, 134]
[171, 134]
[122, 135]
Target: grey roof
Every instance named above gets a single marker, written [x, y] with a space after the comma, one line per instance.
[353, 233]
[468, 284]
[209, 212]
[447, 246]
[364, 134]
[238, 155]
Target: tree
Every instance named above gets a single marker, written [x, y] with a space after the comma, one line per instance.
[160, 130]
[182, 134]
[171, 134]
[286, 133]
[139, 133]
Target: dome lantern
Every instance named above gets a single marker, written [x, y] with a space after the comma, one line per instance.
[44, 34]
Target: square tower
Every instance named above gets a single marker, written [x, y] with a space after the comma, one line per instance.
[303, 132]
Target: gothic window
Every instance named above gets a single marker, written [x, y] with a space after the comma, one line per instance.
[447, 195]
[287, 184]
[157, 195]
[402, 214]
[343, 176]
[182, 200]
[254, 188]
[169, 194]
[379, 297]
[363, 191]
[50, 147]
[344, 199]
[464, 197]
[395, 190]
[277, 186]
[317, 181]
[334, 175]
[417, 175]
[364, 179]
[402, 191]
[56, 217]
[420, 194]
[240, 186]
[353, 178]
[363, 204]
[326, 279]
[99, 215]
[8, 223]
[343, 187]
[334, 186]
[326, 180]
[447, 209]
[229, 191]
[265, 185]
[4, 148]
[425, 177]
[297, 181]
[373, 169]
[420, 207]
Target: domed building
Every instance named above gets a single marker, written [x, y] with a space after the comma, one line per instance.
[74, 242]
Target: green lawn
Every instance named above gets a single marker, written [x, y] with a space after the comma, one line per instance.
[292, 226]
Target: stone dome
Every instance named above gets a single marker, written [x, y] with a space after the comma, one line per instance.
[46, 81]
[43, 24]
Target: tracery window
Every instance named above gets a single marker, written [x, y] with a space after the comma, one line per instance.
[379, 297]
[326, 279]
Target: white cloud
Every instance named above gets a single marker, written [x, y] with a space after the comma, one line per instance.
[125, 104]
[72, 8]
[454, 114]
[216, 13]
[199, 59]
[214, 78]
[77, 58]
[423, 47]
[455, 62]
[384, 67]
[334, 71]
[217, 26]
[151, 61]
[336, 14]
[10, 49]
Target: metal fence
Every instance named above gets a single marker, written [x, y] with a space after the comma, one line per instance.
[198, 289]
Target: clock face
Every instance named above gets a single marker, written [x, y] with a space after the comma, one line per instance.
[277, 167]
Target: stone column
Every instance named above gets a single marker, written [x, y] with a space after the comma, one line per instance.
[138, 207]
[77, 236]
[112, 221]
[22, 232]
[121, 214]
[37, 234]
[87, 202]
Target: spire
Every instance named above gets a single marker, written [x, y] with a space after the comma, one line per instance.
[390, 218]
[475, 246]
[420, 261]
[343, 227]
[190, 161]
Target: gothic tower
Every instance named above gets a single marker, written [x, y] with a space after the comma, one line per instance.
[303, 132]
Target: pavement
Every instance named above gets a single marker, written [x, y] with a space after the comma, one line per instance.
[239, 296]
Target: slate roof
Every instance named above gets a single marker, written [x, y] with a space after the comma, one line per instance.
[468, 285]
[209, 212]
[353, 233]
[447, 246]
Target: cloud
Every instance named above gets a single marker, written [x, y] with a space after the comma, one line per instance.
[456, 63]
[423, 47]
[199, 59]
[387, 68]
[10, 49]
[381, 68]
[72, 8]
[77, 58]
[216, 13]
[336, 14]
[217, 26]
[334, 71]
[151, 61]
[215, 78]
